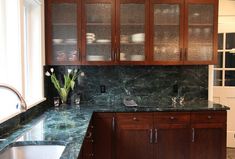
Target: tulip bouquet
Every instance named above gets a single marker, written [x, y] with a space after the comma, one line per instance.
[69, 82]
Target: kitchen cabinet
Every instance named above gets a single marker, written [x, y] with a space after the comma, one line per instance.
[63, 32]
[134, 135]
[104, 127]
[172, 135]
[139, 32]
[87, 150]
[183, 32]
[208, 135]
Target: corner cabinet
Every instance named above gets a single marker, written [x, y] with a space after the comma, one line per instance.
[139, 32]
[183, 32]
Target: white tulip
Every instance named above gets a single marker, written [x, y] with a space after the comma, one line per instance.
[52, 70]
[47, 74]
[69, 70]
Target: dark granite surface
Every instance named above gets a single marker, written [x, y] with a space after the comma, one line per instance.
[69, 124]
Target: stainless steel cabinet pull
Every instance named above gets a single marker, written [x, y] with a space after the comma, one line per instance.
[134, 118]
[151, 136]
[193, 135]
[209, 117]
[172, 118]
[156, 136]
[113, 124]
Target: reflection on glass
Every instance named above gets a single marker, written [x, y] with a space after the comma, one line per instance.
[220, 41]
[229, 60]
[217, 78]
[229, 78]
[64, 32]
[166, 32]
[200, 32]
[132, 32]
[220, 60]
[230, 40]
[98, 32]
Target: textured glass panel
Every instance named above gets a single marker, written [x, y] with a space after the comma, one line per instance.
[64, 32]
[220, 41]
[217, 78]
[200, 32]
[98, 32]
[220, 60]
[229, 78]
[230, 40]
[166, 32]
[132, 32]
[229, 60]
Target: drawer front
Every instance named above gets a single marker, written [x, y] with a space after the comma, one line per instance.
[208, 117]
[134, 119]
[172, 117]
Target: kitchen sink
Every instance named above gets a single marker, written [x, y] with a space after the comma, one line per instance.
[32, 152]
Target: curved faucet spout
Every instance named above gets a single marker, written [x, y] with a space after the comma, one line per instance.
[22, 101]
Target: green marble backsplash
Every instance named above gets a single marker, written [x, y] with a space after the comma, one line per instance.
[144, 83]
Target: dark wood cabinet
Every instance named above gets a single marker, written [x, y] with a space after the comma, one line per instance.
[134, 135]
[172, 135]
[104, 128]
[183, 32]
[141, 32]
[158, 135]
[87, 150]
[208, 135]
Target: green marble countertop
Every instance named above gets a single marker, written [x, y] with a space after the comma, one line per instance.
[68, 125]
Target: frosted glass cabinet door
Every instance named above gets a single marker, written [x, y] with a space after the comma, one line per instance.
[200, 32]
[98, 35]
[132, 31]
[167, 29]
[64, 32]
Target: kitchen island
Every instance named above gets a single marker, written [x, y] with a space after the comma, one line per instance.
[71, 125]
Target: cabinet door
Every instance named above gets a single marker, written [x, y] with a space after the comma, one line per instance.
[208, 135]
[63, 40]
[201, 18]
[134, 136]
[104, 135]
[98, 31]
[172, 135]
[166, 30]
[132, 30]
[208, 142]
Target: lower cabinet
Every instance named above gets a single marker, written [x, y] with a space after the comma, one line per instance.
[134, 136]
[159, 135]
[208, 135]
[172, 135]
[104, 128]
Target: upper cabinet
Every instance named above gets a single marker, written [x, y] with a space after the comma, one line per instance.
[139, 32]
[63, 30]
[183, 32]
[201, 25]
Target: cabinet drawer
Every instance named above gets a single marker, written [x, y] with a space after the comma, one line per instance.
[134, 119]
[172, 117]
[208, 117]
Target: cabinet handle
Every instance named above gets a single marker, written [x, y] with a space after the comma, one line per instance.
[209, 117]
[113, 124]
[151, 136]
[156, 136]
[134, 118]
[89, 135]
[172, 118]
[185, 53]
[193, 135]
[181, 54]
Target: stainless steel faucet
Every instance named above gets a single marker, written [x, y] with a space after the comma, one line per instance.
[22, 101]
